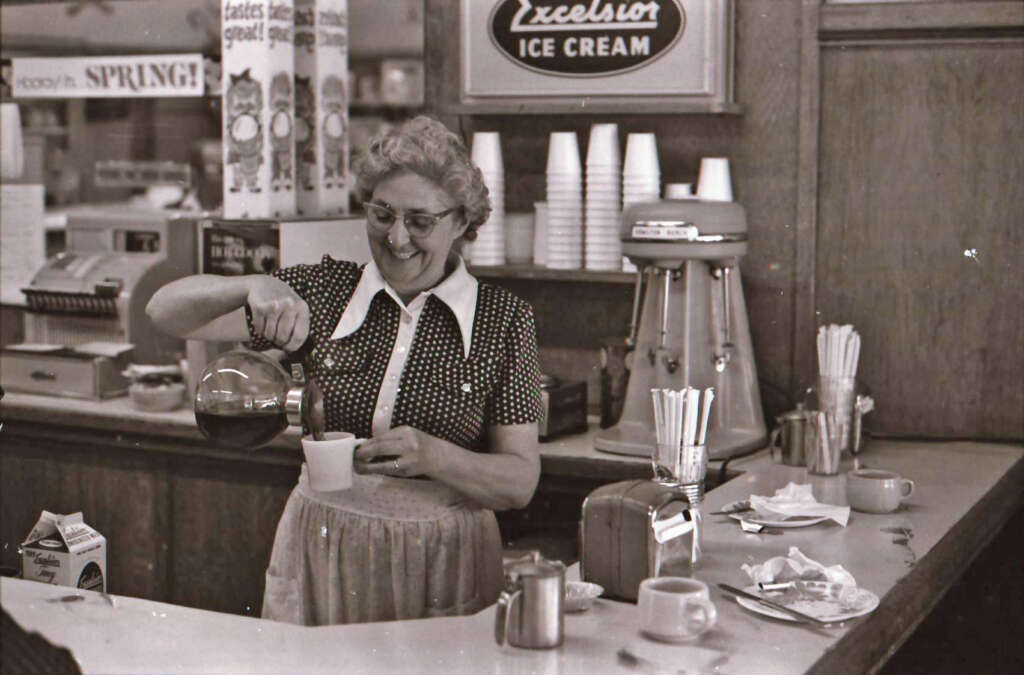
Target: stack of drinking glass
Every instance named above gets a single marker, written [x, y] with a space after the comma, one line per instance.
[489, 247]
[565, 202]
[602, 245]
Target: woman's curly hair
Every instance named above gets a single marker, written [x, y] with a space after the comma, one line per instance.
[425, 146]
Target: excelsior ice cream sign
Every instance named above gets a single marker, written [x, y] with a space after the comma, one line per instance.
[585, 39]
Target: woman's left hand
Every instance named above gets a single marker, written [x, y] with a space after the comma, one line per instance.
[404, 448]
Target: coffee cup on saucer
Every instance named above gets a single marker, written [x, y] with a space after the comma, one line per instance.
[876, 490]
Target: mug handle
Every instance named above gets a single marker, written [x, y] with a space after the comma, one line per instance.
[906, 488]
[503, 615]
[705, 610]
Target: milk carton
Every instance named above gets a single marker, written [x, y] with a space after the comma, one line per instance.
[258, 107]
[63, 550]
[321, 106]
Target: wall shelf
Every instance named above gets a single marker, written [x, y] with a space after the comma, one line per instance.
[538, 273]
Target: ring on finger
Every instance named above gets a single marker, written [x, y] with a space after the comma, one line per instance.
[395, 463]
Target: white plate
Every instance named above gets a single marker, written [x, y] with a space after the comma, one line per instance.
[856, 602]
[769, 521]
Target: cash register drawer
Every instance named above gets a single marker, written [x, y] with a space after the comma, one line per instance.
[65, 373]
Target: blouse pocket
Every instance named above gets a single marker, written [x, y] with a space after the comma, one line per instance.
[337, 357]
[469, 382]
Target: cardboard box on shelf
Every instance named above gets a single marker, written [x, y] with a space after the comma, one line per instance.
[258, 72]
[322, 94]
[64, 550]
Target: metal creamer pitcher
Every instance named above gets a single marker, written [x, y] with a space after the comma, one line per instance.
[530, 612]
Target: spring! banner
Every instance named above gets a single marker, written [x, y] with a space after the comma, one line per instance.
[108, 76]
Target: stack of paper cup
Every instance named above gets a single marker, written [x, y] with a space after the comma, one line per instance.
[641, 173]
[714, 183]
[565, 202]
[489, 247]
[540, 233]
[602, 247]
[11, 144]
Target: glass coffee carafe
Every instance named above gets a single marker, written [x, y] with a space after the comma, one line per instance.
[244, 399]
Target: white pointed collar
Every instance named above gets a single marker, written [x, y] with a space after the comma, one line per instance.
[458, 290]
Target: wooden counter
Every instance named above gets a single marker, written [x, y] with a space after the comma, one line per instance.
[965, 491]
[193, 524]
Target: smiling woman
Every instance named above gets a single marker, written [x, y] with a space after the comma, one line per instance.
[438, 371]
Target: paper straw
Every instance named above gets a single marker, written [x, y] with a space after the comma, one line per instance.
[692, 414]
[677, 421]
[705, 415]
[659, 416]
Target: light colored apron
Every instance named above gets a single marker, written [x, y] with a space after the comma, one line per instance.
[385, 549]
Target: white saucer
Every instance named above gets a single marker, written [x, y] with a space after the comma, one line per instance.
[769, 521]
[860, 602]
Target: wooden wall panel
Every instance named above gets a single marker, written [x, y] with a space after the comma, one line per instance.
[919, 233]
[225, 515]
[122, 495]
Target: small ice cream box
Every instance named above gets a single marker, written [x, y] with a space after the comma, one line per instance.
[64, 550]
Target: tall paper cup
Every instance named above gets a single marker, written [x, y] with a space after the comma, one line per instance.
[641, 155]
[540, 233]
[714, 183]
[11, 144]
[564, 153]
[486, 152]
[519, 237]
[329, 462]
[603, 146]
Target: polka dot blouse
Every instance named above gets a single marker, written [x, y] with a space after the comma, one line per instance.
[440, 391]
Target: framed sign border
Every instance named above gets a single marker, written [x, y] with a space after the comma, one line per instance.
[531, 103]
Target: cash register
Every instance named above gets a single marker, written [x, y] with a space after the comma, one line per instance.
[86, 306]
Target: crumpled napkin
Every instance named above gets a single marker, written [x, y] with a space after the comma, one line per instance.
[797, 566]
[798, 500]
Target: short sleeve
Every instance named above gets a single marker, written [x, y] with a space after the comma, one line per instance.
[301, 278]
[516, 398]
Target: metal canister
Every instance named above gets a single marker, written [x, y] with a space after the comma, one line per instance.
[788, 437]
[530, 611]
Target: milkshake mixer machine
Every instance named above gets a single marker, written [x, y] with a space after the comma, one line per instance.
[689, 327]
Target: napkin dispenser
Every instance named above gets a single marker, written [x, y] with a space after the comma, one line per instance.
[618, 546]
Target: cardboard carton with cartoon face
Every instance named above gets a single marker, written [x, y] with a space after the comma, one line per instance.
[258, 108]
[321, 107]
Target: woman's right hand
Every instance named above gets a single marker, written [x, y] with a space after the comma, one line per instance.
[278, 313]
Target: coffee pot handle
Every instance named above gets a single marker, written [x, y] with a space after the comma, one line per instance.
[503, 614]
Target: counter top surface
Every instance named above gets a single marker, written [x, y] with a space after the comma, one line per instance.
[894, 555]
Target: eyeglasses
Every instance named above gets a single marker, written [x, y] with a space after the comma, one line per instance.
[418, 223]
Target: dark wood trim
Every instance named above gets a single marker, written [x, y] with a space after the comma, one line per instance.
[870, 643]
[538, 273]
[638, 105]
[880, 19]
[39, 431]
[805, 319]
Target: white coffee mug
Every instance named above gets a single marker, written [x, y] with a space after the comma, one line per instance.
[329, 462]
[675, 609]
[876, 490]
